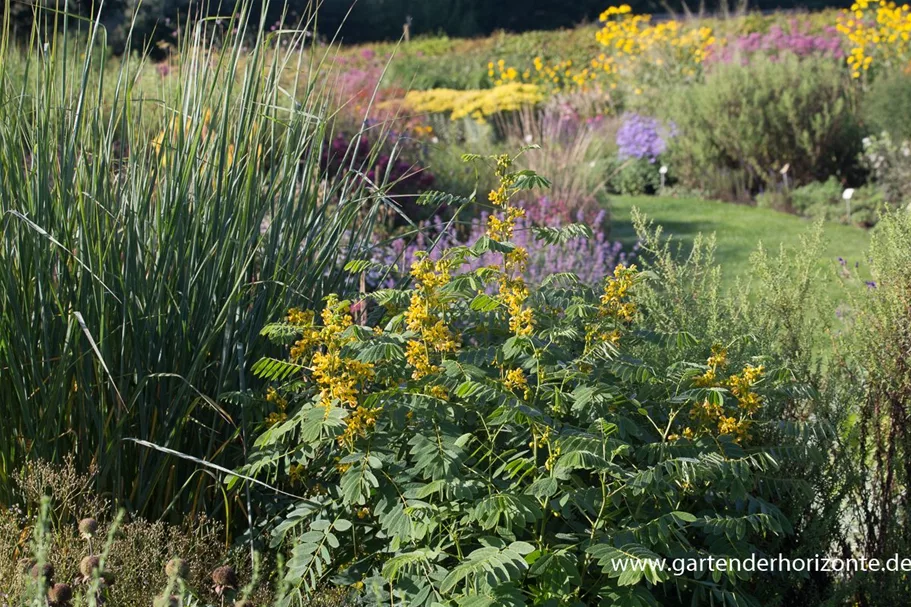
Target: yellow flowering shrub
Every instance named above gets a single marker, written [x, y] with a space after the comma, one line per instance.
[878, 32]
[711, 415]
[477, 104]
[635, 50]
[532, 423]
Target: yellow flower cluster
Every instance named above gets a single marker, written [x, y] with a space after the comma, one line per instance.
[310, 335]
[513, 290]
[716, 361]
[280, 403]
[357, 424]
[615, 301]
[516, 381]
[477, 104]
[741, 386]
[556, 77]
[709, 416]
[633, 40]
[877, 31]
[423, 317]
[632, 44]
[338, 377]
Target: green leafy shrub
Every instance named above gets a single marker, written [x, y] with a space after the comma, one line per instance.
[888, 161]
[754, 120]
[874, 371]
[501, 449]
[886, 105]
[780, 310]
[635, 177]
[825, 200]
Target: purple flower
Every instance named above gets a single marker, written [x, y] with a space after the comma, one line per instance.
[642, 137]
[590, 259]
[776, 42]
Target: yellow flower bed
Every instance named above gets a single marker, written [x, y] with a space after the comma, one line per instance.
[879, 32]
[477, 104]
[633, 45]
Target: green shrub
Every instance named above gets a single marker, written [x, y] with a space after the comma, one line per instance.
[635, 177]
[506, 448]
[779, 309]
[874, 372]
[825, 200]
[755, 120]
[888, 161]
[886, 105]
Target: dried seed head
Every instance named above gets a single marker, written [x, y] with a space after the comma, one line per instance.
[88, 565]
[225, 576]
[177, 568]
[60, 594]
[243, 603]
[88, 527]
[45, 571]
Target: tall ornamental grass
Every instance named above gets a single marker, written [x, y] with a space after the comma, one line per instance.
[138, 264]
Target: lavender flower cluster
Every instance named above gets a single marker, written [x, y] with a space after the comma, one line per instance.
[642, 136]
[776, 42]
[590, 259]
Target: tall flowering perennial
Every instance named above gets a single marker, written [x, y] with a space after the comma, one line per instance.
[633, 41]
[642, 137]
[431, 336]
[632, 45]
[513, 290]
[711, 414]
[879, 33]
[505, 463]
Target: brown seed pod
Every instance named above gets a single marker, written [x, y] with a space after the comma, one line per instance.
[177, 568]
[60, 594]
[88, 527]
[225, 577]
[45, 571]
[88, 565]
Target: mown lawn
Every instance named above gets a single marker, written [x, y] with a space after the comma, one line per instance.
[738, 230]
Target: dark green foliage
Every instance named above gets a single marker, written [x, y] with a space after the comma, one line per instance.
[756, 121]
[887, 105]
[635, 177]
[874, 373]
[826, 201]
[469, 486]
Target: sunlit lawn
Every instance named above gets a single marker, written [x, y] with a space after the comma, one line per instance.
[739, 230]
